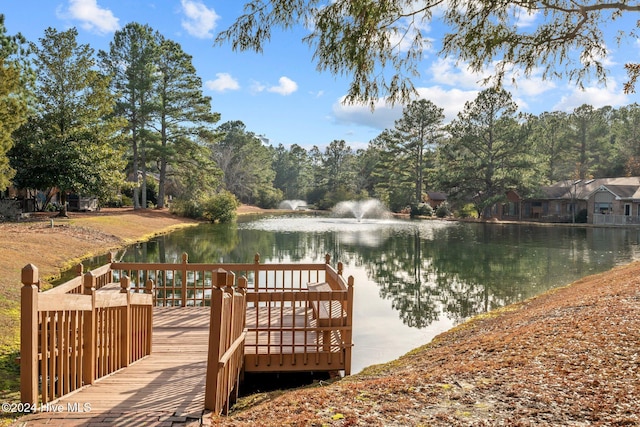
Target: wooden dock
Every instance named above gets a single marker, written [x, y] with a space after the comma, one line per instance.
[167, 387]
[149, 343]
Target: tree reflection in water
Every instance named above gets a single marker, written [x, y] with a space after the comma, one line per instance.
[430, 271]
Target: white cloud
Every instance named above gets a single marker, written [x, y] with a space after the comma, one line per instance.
[529, 87]
[200, 20]
[384, 115]
[256, 87]
[93, 17]
[223, 83]
[285, 86]
[524, 17]
[594, 96]
[451, 100]
[445, 71]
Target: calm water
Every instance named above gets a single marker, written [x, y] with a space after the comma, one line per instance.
[413, 279]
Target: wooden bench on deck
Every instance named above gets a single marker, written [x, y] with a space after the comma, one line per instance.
[327, 304]
[328, 310]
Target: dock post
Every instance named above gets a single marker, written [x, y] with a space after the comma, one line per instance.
[212, 398]
[256, 272]
[89, 332]
[348, 339]
[29, 335]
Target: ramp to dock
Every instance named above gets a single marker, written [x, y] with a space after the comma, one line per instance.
[164, 388]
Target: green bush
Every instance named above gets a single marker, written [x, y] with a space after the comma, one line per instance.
[421, 209]
[443, 211]
[152, 192]
[468, 211]
[126, 201]
[187, 208]
[581, 216]
[268, 198]
[220, 207]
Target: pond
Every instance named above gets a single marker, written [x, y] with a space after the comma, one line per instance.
[413, 279]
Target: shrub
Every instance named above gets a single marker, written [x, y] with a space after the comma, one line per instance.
[220, 207]
[442, 211]
[581, 216]
[468, 211]
[421, 209]
[191, 208]
[126, 201]
[152, 192]
[268, 198]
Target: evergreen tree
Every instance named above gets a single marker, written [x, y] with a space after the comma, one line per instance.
[380, 44]
[394, 182]
[589, 137]
[626, 130]
[487, 153]
[131, 62]
[292, 168]
[551, 143]
[183, 113]
[418, 132]
[70, 142]
[13, 98]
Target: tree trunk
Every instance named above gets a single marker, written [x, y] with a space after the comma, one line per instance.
[63, 205]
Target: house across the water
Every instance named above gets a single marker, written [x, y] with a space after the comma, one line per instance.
[611, 201]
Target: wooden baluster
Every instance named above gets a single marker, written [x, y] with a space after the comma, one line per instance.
[29, 335]
[149, 289]
[256, 272]
[79, 272]
[125, 323]
[185, 260]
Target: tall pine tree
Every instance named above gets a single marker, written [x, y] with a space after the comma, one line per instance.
[131, 62]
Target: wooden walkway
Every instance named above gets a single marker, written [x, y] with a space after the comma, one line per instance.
[165, 388]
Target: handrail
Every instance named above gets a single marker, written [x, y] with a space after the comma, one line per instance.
[185, 284]
[73, 334]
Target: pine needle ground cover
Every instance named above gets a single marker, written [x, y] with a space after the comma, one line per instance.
[570, 357]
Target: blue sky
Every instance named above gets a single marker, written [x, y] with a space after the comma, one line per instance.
[279, 93]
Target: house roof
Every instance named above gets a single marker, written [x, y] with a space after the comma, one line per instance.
[436, 195]
[623, 191]
[622, 187]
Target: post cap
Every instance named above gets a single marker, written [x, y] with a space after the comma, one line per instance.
[30, 275]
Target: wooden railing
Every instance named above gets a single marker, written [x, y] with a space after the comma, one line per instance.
[78, 332]
[226, 342]
[287, 304]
